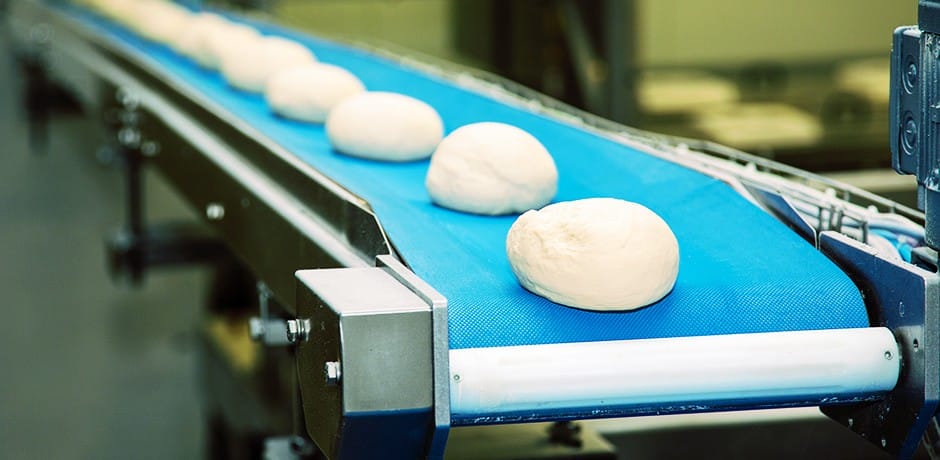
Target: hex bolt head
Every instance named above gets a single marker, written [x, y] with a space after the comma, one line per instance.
[215, 211]
[298, 330]
[332, 372]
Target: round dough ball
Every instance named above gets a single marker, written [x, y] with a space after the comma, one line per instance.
[308, 93]
[491, 168]
[249, 68]
[384, 126]
[161, 21]
[595, 254]
[194, 41]
[120, 11]
[223, 39]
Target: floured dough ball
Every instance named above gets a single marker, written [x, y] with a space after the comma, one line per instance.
[249, 68]
[117, 10]
[161, 21]
[595, 254]
[384, 126]
[308, 93]
[194, 41]
[491, 168]
[219, 41]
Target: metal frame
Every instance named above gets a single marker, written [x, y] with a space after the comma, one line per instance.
[278, 214]
[251, 189]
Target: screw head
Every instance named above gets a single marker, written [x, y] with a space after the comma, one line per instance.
[332, 372]
[149, 148]
[129, 137]
[215, 211]
[909, 136]
[910, 77]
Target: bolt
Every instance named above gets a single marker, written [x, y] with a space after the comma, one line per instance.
[215, 211]
[888, 355]
[298, 330]
[256, 328]
[40, 33]
[910, 77]
[127, 98]
[149, 148]
[909, 136]
[332, 372]
[129, 137]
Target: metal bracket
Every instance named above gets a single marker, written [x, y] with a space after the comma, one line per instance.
[137, 247]
[915, 114]
[370, 377]
[41, 95]
[903, 298]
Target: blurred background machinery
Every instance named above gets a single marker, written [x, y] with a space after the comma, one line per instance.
[803, 83]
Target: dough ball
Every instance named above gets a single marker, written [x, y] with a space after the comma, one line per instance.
[491, 168]
[223, 39]
[595, 254]
[250, 67]
[194, 41]
[120, 11]
[308, 93]
[384, 126]
[161, 21]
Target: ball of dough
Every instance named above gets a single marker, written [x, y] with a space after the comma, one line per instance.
[491, 168]
[595, 254]
[384, 126]
[120, 11]
[308, 93]
[250, 67]
[222, 40]
[161, 21]
[194, 41]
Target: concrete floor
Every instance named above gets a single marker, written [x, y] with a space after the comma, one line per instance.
[88, 369]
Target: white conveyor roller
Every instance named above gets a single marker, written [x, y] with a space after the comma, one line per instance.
[800, 366]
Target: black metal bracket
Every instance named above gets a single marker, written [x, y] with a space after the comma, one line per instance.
[41, 96]
[137, 247]
[903, 298]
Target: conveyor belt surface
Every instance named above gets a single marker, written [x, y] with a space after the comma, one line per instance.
[741, 270]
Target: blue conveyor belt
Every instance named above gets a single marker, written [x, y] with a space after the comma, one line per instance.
[740, 271]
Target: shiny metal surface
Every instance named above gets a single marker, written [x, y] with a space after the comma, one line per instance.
[277, 213]
[366, 375]
[440, 347]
